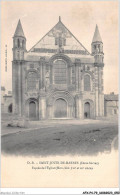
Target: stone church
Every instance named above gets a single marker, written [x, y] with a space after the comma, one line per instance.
[57, 77]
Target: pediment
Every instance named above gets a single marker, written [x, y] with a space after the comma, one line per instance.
[59, 39]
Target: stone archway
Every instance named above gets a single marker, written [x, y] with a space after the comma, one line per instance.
[59, 100]
[60, 108]
[32, 109]
[87, 110]
[10, 108]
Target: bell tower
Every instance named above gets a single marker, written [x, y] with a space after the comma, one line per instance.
[19, 43]
[97, 47]
[97, 52]
[18, 63]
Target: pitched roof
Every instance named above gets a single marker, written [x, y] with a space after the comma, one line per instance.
[111, 97]
[19, 30]
[96, 36]
[54, 32]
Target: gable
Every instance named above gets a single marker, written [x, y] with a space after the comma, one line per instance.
[59, 37]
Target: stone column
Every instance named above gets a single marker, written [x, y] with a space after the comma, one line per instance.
[23, 89]
[77, 73]
[40, 81]
[42, 65]
[44, 73]
[96, 91]
[82, 84]
[80, 79]
[13, 87]
[100, 90]
[81, 114]
[76, 106]
[27, 110]
[49, 112]
[102, 104]
[77, 65]
[19, 89]
[69, 75]
[42, 107]
[69, 111]
[79, 107]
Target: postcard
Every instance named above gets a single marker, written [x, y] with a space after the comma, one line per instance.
[59, 94]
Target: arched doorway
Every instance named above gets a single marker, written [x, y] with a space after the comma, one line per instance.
[10, 108]
[60, 108]
[87, 110]
[32, 110]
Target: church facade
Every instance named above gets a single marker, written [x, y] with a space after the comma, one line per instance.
[57, 77]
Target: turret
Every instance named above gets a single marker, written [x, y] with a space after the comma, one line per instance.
[19, 43]
[97, 47]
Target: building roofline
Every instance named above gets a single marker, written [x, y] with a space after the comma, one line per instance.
[68, 31]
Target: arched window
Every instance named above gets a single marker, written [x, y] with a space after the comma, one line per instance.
[23, 44]
[32, 81]
[18, 43]
[87, 83]
[99, 47]
[60, 72]
[56, 40]
[64, 42]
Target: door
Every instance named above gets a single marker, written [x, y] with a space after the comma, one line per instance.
[32, 110]
[87, 110]
[10, 108]
[60, 108]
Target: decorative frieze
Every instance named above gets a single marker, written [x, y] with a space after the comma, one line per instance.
[31, 95]
[45, 50]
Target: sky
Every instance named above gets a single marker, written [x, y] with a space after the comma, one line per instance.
[80, 17]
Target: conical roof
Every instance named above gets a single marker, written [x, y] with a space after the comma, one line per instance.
[97, 37]
[19, 31]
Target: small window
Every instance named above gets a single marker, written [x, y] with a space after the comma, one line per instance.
[23, 44]
[64, 41]
[99, 48]
[56, 41]
[60, 41]
[18, 43]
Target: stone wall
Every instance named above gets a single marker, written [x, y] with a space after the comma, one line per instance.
[111, 107]
[6, 107]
